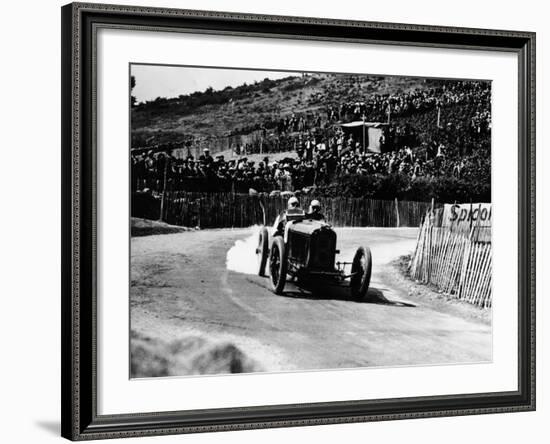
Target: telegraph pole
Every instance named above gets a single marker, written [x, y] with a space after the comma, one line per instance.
[363, 134]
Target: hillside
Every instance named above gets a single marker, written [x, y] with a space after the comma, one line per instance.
[239, 110]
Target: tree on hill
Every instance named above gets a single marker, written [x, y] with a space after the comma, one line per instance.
[132, 85]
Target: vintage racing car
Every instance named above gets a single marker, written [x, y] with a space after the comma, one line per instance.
[305, 250]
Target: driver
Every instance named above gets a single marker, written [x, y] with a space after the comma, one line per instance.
[293, 205]
[315, 211]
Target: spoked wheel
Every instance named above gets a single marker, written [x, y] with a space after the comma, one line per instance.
[361, 269]
[262, 251]
[277, 265]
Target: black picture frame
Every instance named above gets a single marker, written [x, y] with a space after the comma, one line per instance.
[79, 386]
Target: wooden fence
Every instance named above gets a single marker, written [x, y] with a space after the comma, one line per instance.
[227, 210]
[458, 263]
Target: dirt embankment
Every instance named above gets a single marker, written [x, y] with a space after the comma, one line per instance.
[430, 295]
[146, 227]
[187, 355]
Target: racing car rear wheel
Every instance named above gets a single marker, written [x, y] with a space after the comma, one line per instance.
[262, 251]
[277, 265]
[361, 269]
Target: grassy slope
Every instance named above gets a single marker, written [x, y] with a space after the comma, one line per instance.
[174, 119]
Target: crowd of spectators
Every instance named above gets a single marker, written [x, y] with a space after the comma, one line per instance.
[316, 165]
[397, 136]
[287, 132]
[378, 106]
[458, 148]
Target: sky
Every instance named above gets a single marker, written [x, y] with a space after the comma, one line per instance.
[154, 81]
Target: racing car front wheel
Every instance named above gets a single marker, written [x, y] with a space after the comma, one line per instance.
[263, 250]
[361, 270]
[277, 265]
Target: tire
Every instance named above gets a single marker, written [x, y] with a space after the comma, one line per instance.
[362, 265]
[277, 265]
[262, 252]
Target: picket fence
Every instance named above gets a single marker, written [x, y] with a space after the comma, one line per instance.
[229, 210]
[458, 263]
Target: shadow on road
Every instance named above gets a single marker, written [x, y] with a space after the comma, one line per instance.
[374, 295]
[330, 291]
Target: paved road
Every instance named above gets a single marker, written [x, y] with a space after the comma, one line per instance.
[181, 285]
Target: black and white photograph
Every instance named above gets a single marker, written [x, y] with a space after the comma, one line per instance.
[297, 221]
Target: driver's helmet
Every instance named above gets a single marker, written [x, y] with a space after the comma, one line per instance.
[315, 205]
[293, 203]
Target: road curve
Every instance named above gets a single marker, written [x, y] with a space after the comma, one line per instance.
[180, 285]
